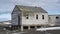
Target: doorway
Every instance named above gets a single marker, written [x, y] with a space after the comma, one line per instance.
[18, 20]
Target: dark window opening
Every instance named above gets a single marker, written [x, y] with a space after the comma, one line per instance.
[32, 27]
[25, 27]
[57, 17]
[42, 16]
[27, 16]
[38, 26]
[36, 16]
[18, 20]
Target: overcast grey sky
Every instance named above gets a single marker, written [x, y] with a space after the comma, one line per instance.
[6, 6]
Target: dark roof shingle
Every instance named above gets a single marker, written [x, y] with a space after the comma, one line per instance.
[31, 8]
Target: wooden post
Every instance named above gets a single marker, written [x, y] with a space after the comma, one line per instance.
[21, 28]
[28, 27]
[35, 27]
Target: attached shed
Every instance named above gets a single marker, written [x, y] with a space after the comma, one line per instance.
[54, 19]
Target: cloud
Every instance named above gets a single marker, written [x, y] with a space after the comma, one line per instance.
[4, 17]
[51, 4]
[6, 6]
[6, 2]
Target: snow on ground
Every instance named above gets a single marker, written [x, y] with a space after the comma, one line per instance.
[49, 28]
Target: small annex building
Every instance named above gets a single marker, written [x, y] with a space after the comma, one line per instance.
[54, 20]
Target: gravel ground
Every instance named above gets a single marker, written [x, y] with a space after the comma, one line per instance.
[29, 32]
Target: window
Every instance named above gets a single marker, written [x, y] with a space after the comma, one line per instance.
[57, 17]
[36, 16]
[27, 16]
[42, 16]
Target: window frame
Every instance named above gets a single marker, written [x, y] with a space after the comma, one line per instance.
[57, 17]
[43, 17]
[27, 16]
[36, 16]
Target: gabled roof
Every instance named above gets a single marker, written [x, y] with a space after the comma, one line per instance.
[30, 8]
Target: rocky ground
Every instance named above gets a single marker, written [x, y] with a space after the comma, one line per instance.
[32, 31]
